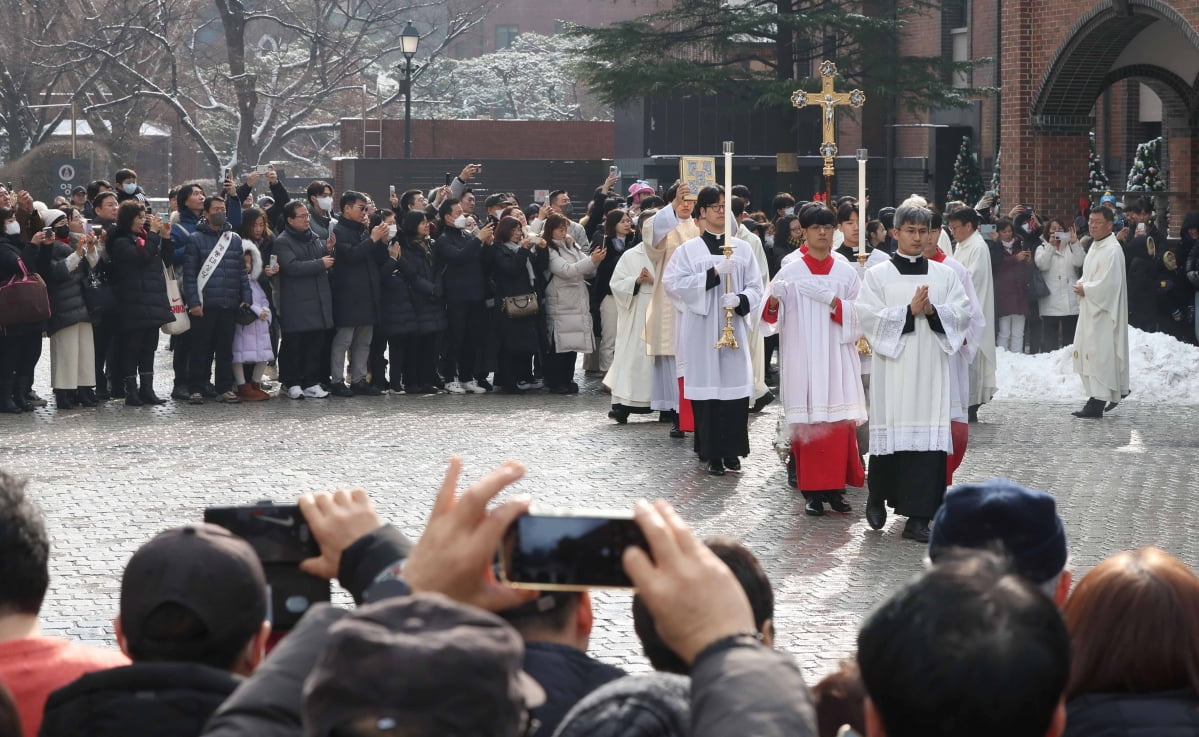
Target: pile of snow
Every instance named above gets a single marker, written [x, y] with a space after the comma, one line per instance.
[1162, 369]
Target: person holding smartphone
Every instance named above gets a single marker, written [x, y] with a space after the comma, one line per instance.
[1011, 291]
[1059, 258]
[1143, 248]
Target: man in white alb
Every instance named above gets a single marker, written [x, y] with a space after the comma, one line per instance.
[631, 376]
[1101, 340]
[915, 314]
[972, 252]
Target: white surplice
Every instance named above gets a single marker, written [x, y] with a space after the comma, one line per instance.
[975, 255]
[959, 362]
[1101, 339]
[757, 353]
[819, 368]
[710, 373]
[630, 378]
[910, 382]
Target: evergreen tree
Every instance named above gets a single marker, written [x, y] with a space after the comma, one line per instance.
[1097, 180]
[995, 177]
[746, 52]
[967, 185]
[1146, 174]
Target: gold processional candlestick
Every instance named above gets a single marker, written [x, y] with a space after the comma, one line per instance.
[728, 338]
[863, 344]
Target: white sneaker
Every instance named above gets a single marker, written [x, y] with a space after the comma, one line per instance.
[316, 392]
[455, 387]
[474, 388]
[295, 392]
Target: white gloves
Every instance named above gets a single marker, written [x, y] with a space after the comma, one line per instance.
[813, 289]
[778, 289]
[730, 300]
[724, 266]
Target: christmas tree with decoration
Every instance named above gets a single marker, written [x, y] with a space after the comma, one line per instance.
[1146, 173]
[995, 177]
[1097, 180]
[967, 185]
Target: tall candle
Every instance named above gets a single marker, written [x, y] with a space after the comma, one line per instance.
[728, 194]
[862, 201]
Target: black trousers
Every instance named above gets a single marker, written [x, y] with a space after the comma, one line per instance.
[911, 481]
[138, 346]
[212, 337]
[300, 358]
[420, 360]
[19, 353]
[108, 348]
[464, 340]
[181, 356]
[721, 427]
[1058, 331]
[513, 367]
[387, 350]
[560, 369]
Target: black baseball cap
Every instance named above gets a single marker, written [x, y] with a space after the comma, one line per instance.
[205, 569]
[423, 661]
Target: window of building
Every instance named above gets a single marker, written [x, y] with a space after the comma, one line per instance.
[960, 38]
[505, 35]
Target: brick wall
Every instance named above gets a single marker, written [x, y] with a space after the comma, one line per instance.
[485, 139]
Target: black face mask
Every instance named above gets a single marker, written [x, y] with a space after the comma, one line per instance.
[62, 232]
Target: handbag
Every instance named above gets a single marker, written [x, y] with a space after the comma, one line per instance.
[98, 295]
[524, 305]
[182, 323]
[24, 299]
[1037, 287]
[245, 316]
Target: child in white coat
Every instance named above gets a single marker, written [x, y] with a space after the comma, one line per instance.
[252, 343]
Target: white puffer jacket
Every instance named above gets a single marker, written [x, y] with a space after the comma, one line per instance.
[567, 303]
[1060, 267]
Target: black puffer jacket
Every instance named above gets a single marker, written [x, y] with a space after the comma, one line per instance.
[305, 297]
[64, 280]
[461, 256]
[229, 285]
[140, 285]
[1161, 714]
[355, 275]
[425, 286]
[139, 700]
[397, 316]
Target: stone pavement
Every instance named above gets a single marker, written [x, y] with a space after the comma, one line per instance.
[109, 479]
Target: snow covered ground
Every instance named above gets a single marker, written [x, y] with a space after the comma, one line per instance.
[1162, 370]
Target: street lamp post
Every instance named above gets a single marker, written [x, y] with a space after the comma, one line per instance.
[409, 41]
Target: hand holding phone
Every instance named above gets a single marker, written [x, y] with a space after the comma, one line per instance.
[549, 550]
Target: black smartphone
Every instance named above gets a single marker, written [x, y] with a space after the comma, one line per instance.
[281, 538]
[568, 550]
[449, 177]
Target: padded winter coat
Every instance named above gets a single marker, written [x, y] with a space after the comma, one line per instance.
[229, 286]
[423, 276]
[567, 300]
[305, 300]
[461, 257]
[64, 280]
[355, 275]
[252, 343]
[140, 285]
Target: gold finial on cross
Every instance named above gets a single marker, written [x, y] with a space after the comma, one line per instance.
[829, 99]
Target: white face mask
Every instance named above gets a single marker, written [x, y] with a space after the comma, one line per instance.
[789, 211]
[460, 222]
[770, 240]
[392, 230]
[129, 187]
[13, 228]
[325, 203]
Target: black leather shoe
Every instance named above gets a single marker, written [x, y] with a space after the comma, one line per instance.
[916, 529]
[364, 389]
[973, 412]
[837, 503]
[87, 397]
[341, 390]
[814, 507]
[763, 400]
[621, 416]
[675, 432]
[876, 516]
[63, 399]
[1092, 410]
[792, 481]
[716, 467]
[668, 416]
[732, 464]
[1110, 406]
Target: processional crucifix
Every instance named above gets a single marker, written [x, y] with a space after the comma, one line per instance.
[830, 100]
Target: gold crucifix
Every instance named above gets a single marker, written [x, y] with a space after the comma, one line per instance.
[829, 99]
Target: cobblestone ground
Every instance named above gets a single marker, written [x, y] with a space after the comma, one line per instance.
[110, 478]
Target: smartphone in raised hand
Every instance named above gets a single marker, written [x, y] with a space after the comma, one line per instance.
[570, 550]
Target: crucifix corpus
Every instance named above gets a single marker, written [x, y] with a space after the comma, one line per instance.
[830, 100]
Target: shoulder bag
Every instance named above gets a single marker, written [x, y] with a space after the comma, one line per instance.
[24, 299]
[524, 305]
[98, 295]
[182, 323]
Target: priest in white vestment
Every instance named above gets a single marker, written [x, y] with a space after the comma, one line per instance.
[717, 381]
[631, 376]
[915, 315]
[664, 233]
[973, 253]
[1101, 339]
[959, 362]
[811, 309]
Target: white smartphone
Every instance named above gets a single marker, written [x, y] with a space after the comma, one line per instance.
[1140, 228]
[274, 260]
[1061, 236]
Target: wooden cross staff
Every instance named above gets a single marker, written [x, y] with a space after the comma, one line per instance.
[830, 100]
